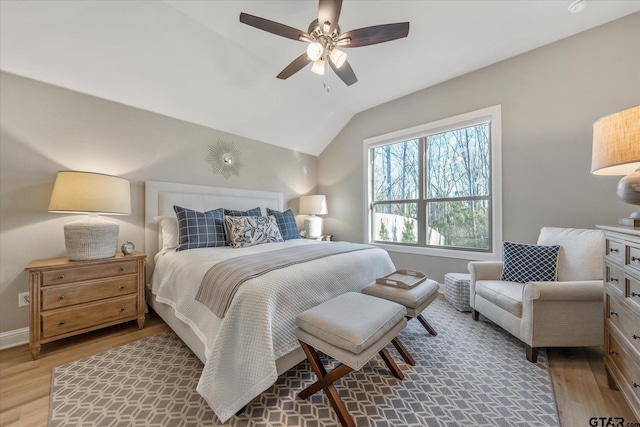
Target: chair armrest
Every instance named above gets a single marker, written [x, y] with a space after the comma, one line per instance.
[588, 290]
[485, 270]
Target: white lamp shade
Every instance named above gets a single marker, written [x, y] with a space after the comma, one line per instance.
[616, 143]
[313, 205]
[318, 67]
[338, 57]
[88, 192]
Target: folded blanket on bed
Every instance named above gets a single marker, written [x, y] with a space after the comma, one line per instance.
[222, 280]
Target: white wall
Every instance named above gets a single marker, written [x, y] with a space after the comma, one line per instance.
[550, 98]
[45, 129]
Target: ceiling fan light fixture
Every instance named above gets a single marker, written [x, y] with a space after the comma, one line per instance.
[338, 57]
[315, 51]
[318, 67]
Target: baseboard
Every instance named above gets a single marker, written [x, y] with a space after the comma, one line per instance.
[14, 338]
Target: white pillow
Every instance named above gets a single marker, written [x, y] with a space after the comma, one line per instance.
[581, 252]
[167, 233]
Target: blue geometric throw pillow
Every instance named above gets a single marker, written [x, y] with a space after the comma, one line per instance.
[529, 263]
[199, 229]
[286, 223]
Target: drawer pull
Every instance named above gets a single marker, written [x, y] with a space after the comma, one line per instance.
[61, 297]
[635, 337]
[613, 279]
[613, 250]
[633, 294]
[121, 268]
[121, 287]
[61, 276]
[122, 308]
[613, 313]
[635, 384]
[615, 353]
[635, 259]
[61, 322]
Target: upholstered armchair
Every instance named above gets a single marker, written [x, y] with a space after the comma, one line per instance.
[565, 312]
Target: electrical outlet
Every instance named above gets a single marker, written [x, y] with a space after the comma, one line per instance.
[23, 299]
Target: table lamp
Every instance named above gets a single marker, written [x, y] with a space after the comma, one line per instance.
[616, 151]
[313, 205]
[92, 237]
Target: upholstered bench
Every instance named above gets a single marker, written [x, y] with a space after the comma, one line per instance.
[415, 299]
[351, 328]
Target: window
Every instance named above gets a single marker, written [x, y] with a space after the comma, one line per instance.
[435, 188]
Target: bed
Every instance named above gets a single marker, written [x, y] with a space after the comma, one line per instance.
[245, 350]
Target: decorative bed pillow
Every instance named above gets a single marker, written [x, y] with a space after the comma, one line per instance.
[529, 263]
[286, 223]
[247, 231]
[200, 229]
[231, 212]
[167, 233]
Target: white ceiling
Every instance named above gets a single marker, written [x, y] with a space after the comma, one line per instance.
[194, 60]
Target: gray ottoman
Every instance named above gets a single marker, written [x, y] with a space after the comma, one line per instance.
[351, 328]
[415, 299]
[456, 290]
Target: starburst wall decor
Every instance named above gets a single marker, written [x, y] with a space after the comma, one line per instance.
[225, 159]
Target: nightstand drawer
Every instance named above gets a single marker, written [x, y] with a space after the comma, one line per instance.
[615, 250]
[69, 275]
[66, 295]
[66, 320]
[615, 276]
[625, 321]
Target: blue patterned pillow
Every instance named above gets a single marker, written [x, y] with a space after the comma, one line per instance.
[286, 223]
[250, 212]
[252, 230]
[528, 263]
[199, 229]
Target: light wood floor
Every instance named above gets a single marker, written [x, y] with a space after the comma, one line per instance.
[578, 375]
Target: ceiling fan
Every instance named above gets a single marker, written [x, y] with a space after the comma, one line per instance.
[324, 38]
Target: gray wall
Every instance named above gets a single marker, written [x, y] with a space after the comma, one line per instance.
[550, 98]
[45, 129]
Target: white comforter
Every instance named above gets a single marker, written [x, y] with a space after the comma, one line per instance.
[259, 327]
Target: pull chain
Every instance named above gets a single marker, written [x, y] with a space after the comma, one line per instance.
[326, 72]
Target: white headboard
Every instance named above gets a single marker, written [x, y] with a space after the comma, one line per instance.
[159, 198]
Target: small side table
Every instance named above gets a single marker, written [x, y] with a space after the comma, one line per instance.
[456, 290]
[72, 297]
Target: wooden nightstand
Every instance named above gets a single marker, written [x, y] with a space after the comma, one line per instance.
[72, 297]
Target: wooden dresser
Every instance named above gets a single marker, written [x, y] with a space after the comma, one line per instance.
[72, 297]
[622, 312]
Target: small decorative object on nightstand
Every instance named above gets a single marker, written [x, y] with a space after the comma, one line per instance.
[72, 297]
[324, 237]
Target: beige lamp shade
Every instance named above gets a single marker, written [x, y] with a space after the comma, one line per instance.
[313, 205]
[616, 143]
[91, 237]
[85, 192]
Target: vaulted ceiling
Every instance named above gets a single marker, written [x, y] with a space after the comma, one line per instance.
[194, 60]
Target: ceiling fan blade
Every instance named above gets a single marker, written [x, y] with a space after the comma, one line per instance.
[375, 34]
[329, 10]
[295, 66]
[345, 72]
[272, 27]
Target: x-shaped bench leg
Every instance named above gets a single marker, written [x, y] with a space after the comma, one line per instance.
[326, 380]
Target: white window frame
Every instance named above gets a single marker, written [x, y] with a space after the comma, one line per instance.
[494, 115]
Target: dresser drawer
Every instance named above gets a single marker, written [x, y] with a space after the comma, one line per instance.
[633, 261]
[65, 320]
[614, 250]
[625, 321]
[634, 293]
[66, 295]
[625, 363]
[615, 276]
[70, 275]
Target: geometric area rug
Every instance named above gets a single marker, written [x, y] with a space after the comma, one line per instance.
[471, 373]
